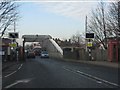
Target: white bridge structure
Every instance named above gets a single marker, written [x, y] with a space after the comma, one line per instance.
[47, 42]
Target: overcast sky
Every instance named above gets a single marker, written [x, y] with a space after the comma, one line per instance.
[58, 18]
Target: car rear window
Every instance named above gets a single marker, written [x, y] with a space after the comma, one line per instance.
[44, 52]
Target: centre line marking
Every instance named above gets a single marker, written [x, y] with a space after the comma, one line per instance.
[14, 71]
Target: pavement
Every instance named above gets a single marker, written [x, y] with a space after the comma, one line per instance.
[100, 63]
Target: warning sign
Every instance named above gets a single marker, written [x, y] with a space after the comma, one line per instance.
[89, 44]
[13, 45]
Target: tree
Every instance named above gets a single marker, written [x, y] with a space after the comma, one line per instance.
[78, 39]
[8, 15]
[112, 19]
[104, 23]
[97, 24]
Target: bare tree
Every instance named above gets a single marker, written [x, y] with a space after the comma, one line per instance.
[112, 19]
[97, 24]
[119, 14]
[78, 38]
[8, 14]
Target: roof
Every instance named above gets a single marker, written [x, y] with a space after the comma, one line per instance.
[6, 40]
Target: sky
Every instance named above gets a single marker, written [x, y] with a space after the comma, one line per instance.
[58, 18]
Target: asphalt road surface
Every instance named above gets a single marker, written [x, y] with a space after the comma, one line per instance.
[51, 73]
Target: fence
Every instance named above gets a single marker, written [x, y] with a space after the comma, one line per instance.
[100, 55]
[81, 54]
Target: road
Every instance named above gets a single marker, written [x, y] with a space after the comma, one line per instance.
[51, 73]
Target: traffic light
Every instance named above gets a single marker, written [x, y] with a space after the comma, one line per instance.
[13, 35]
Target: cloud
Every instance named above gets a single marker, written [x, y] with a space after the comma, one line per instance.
[76, 10]
[64, 0]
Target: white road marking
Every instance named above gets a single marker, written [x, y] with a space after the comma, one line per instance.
[12, 85]
[20, 66]
[19, 81]
[14, 71]
[10, 74]
[99, 80]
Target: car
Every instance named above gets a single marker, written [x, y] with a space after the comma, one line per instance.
[37, 51]
[44, 54]
[31, 55]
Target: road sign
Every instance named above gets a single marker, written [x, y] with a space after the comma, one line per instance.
[89, 35]
[13, 35]
[13, 45]
[89, 44]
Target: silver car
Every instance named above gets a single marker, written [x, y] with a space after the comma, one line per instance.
[44, 54]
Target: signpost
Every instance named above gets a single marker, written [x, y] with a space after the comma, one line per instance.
[89, 38]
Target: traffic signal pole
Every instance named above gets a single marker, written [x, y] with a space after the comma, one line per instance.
[88, 39]
[90, 56]
[89, 50]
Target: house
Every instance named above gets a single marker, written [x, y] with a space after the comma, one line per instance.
[5, 48]
[114, 49]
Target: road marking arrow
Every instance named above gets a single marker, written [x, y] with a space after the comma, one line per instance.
[19, 81]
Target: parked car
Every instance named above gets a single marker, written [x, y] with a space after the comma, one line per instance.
[44, 54]
[31, 55]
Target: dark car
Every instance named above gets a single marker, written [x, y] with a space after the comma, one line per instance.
[44, 54]
[37, 51]
[31, 55]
